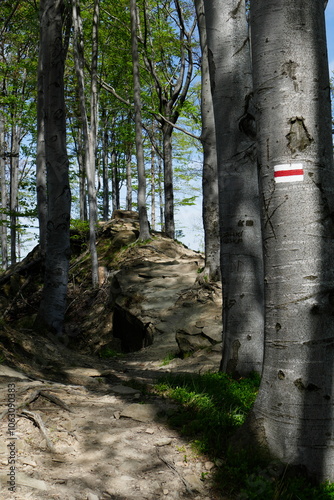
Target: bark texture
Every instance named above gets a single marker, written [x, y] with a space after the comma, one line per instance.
[3, 189]
[239, 206]
[41, 188]
[294, 408]
[53, 304]
[89, 132]
[210, 170]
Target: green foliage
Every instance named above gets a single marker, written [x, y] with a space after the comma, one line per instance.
[79, 229]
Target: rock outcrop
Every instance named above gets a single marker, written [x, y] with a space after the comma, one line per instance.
[149, 294]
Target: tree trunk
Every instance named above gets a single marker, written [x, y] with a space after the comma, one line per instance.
[210, 171]
[82, 177]
[294, 409]
[92, 201]
[239, 205]
[128, 179]
[41, 191]
[105, 179]
[88, 133]
[152, 187]
[3, 221]
[115, 182]
[144, 232]
[14, 180]
[161, 198]
[167, 131]
[53, 304]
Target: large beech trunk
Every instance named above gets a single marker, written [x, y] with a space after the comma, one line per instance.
[53, 304]
[239, 205]
[293, 414]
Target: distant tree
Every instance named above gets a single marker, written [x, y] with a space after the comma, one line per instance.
[210, 172]
[144, 232]
[89, 130]
[170, 65]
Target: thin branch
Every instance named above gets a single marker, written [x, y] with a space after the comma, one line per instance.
[159, 117]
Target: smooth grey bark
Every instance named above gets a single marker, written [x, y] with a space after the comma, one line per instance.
[41, 188]
[52, 308]
[161, 197]
[88, 131]
[239, 204]
[128, 180]
[91, 169]
[210, 171]
[3, 190]
[293, 414]
[105, 176]
[144, 231]
[14, 186]
[114, 182]
[82, 177]
[153, 204]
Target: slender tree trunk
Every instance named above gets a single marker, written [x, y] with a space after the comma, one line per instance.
[3, 187]
[161, 198]
[14, 179]
[152, 187]
[128, 179]
[92, 201]
[294, 410]
[41, 191]
[239, 205]
[82, 177]
[105, 170]
[144, 233]
[53, 304]
[210, 170]
[105, 175]
[115, 182]
[89, 133]
[167, 131]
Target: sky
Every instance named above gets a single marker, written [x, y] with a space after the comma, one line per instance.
[330, 33]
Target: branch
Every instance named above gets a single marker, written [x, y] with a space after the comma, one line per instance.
[159, 117]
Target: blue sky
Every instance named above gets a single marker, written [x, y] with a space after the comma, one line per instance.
[330, 33]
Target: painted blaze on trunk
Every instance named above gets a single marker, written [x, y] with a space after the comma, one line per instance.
[293, 412]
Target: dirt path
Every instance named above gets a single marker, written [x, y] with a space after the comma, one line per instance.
[103, 439]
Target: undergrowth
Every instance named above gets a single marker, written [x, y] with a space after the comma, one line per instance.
[211, 407]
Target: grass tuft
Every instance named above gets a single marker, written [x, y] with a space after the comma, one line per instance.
[211, 407]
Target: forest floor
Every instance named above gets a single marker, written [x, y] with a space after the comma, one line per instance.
[90, 428]
[99, 432]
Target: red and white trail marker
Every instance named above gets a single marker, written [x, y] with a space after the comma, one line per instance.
[289, 172]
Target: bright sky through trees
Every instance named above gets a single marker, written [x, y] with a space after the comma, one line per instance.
[188, 218]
